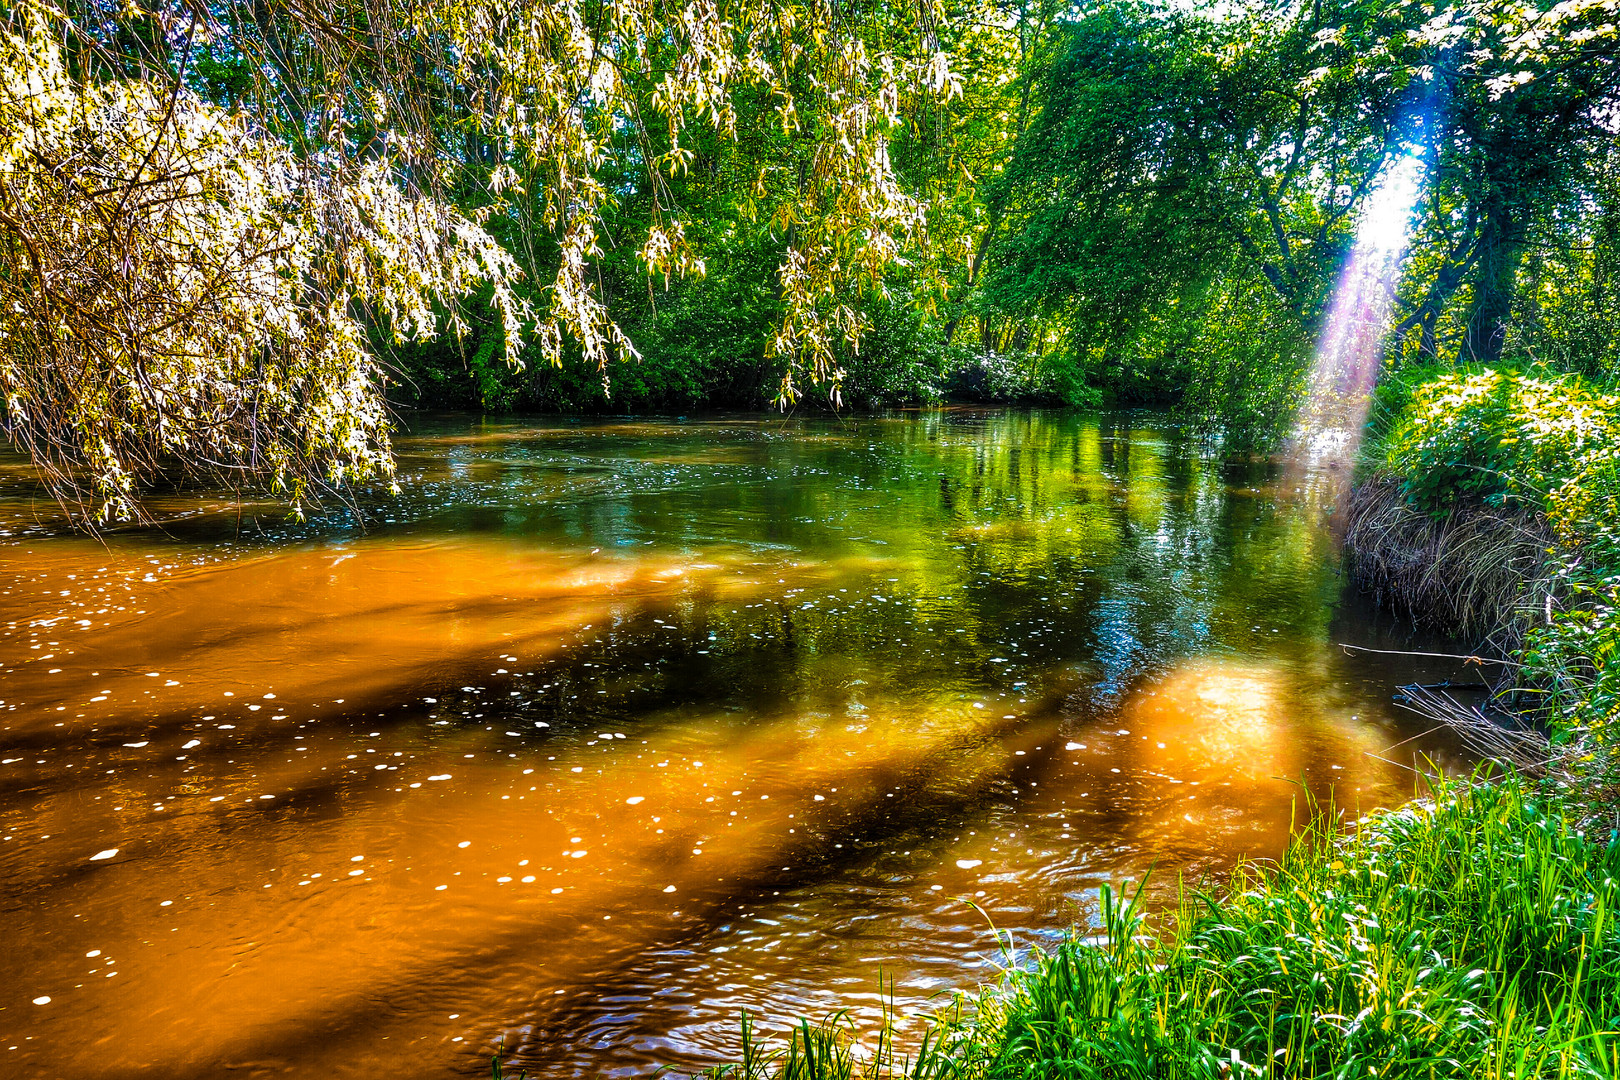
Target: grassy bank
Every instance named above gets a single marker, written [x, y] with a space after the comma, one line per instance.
[1490, 505]
[1471, 934]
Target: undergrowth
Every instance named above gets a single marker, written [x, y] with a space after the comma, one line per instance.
[1543, 451]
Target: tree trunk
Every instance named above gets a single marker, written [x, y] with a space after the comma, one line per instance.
[1501, 249]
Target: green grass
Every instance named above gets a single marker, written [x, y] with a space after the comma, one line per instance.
[1470, 934]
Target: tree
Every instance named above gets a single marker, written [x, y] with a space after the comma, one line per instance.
[1523, 101]
[199, 283]
[1167, 137]
[179, 290]
[1178, 155]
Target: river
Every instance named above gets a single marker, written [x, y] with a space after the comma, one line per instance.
[600, 733]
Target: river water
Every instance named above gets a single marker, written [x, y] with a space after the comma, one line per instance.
[601, 733]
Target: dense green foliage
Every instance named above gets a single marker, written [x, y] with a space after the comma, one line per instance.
[1127, 202]
[1137, 203]
[1546, 449]
[1502, 436]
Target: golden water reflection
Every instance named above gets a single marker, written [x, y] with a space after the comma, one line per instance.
[614, 732]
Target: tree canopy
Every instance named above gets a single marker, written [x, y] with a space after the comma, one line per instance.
[213, 214]
[233, 234]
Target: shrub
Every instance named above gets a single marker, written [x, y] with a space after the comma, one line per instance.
[1549, 449]
[1497, 436]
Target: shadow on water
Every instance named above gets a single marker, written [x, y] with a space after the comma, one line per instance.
[601, 733]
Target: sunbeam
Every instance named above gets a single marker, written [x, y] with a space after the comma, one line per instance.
[1350, 351]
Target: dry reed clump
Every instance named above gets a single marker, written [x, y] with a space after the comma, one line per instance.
[1502, 735]
[1475, 571]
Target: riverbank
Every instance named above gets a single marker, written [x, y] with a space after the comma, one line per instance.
[1468, 934]
[1489, 505]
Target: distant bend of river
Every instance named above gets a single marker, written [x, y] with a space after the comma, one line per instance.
[602, 733]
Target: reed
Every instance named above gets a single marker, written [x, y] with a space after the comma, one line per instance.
[1473, 571]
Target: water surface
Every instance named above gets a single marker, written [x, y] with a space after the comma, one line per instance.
[599, 734]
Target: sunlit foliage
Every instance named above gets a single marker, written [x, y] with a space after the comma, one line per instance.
[215, 214]
[1515, 137]
[1500, 436]
[1186, 196]
[178, 288]
[555, 114]
[1002, 200]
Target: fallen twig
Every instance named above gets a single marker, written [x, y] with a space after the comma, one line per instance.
[1437, 655]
